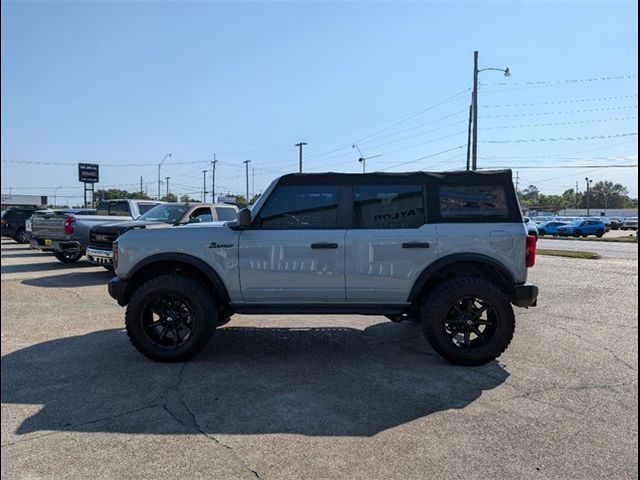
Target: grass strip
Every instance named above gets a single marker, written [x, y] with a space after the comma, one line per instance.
[568, 254]
[629, 239]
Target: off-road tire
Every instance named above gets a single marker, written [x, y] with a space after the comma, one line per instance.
[67, 257]
[438, 302]
[199, 298]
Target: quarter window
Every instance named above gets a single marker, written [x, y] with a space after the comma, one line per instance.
[473, 201]
[301, 207]
[388, 206]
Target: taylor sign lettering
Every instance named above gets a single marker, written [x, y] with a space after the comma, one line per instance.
[88, 172]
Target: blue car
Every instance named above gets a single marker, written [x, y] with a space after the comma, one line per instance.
[582, 228]
[550, 228]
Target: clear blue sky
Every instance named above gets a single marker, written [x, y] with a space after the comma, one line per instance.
[120, 84]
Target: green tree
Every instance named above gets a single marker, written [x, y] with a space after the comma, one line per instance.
[169, 198]
[187, 199]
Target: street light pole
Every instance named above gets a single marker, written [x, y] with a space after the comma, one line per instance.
[167, 187]
[589, 181]
[474, 106]
[168, 155]
[246, 165]
[213, 179]
[474, 109]
[55, 192]
[300, 145]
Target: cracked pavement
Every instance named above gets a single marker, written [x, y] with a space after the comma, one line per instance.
[319, 397]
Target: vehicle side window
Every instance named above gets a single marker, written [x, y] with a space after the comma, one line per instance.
[120, 209]
[202, 214]
[301, 207]
[388, 206]
[225, 213]
[144, 207]
[465, 202]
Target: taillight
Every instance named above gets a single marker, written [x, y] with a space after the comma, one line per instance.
[68, 225]
[531, 250]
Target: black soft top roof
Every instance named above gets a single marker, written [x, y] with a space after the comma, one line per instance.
[464, 177]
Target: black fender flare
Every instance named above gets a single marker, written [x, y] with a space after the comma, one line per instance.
[194, 262]
[443, 262]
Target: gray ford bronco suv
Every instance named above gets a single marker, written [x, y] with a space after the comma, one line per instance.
[448, 250]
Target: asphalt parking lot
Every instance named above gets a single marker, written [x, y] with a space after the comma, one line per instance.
[320, 397]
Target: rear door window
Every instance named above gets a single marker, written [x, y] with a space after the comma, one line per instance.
[388, 206]
[468, 202]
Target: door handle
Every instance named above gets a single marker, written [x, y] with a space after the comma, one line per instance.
[415, 245]
[316, 246]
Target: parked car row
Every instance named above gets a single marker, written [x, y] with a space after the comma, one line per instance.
[582, 226]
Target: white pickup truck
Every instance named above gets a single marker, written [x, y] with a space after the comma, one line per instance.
[67, 235]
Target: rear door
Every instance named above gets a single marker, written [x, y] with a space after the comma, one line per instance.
[294, 253]
[389, 242]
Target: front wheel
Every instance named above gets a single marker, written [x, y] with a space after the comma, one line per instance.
[170, 318]
[467, 320]
[599, 234]
[577, 233]
[68, 257]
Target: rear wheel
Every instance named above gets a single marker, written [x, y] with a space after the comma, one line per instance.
[170, 318]
[599, 234]
[577, 233]
[68, 257]
[469, 321]
[21, 236]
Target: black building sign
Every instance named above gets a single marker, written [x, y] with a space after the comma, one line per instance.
[88, 172]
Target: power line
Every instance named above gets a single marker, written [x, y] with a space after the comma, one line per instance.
[554, 83]
[561, 102]
[536, 114]
[558, 124]
[561, 139]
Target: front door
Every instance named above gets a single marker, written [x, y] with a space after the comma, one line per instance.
[294, 252]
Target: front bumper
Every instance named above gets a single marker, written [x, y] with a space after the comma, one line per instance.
[99, 257]
[525, 295]
[117, 289]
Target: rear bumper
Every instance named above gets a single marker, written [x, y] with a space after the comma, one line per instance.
[99, 257]
[525, 295]
[117, 288]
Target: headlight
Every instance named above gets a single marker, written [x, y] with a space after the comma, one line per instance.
[116, 254]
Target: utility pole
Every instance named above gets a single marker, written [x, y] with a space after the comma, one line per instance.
[141, 191]
[300, 145]
[253, 182]
[204, 186]
[474, 106]
[168, 155]
[167, 187]
[576, 194]
[469, 137]
[213, 179]
[589, 181]
[474, 109]
[517, 180]
[246, 166]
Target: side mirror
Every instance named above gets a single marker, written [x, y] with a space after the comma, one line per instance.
[244, 218]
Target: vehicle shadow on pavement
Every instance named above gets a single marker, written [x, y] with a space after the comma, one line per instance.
[32, 253]
[309, 381]
[74, 279]
[39, 267]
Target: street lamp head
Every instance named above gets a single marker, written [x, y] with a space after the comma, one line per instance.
[507, 73]
[361, 159]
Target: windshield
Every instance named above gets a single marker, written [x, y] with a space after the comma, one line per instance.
[165, 212]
